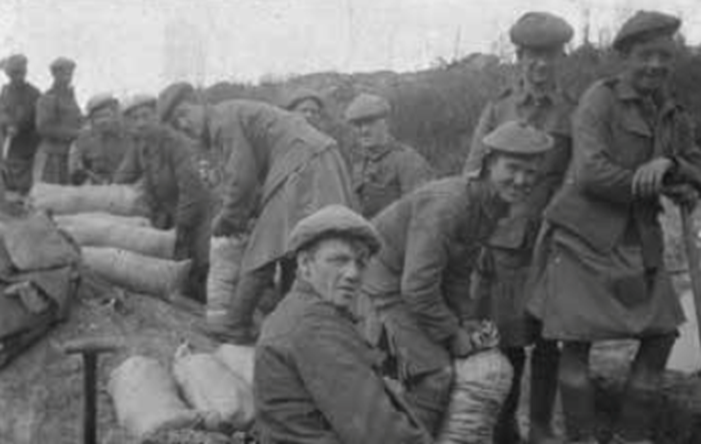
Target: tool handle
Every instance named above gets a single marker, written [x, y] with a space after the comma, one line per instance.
[692, 256]
[91, 345]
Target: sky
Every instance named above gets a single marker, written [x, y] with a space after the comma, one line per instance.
[131, 46]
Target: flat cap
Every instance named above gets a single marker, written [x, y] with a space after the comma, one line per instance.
[367, 106]
[15, 62]
[540, 30]
[173, 96]
[644, 25]
[296, 96]
[518, 138]
[99, 101]
[62, 63]
[333, 220]
[137, 101]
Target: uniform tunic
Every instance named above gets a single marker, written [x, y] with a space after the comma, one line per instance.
[98, 153]
[58, 120]
[420, 281]
[276, 167]
[386, 173]
[316, 380]
[504, 266]
[599, 269]
[17, 108]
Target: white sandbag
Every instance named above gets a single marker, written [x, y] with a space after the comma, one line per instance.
[482, 382]
[96, 232]
[146, 398]
[239, 358]
[225, 256]
[68, 219]
[124, 200]
[686, 354]
[137, 273]
[223, 398]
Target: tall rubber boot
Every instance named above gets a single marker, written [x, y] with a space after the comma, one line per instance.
[544, 374]
[577, 392]
[506, 429]
[638, 409]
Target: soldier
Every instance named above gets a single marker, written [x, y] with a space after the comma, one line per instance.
[600, 271]
[316, 379]
[387, 169]
[419, 283]
[164, 161]
[58, 120]
[17, 114]
[501, 275]
[99, 149]
[276, 169]
[308, 104]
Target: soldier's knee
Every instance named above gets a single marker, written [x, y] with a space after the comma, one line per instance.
[440, 381]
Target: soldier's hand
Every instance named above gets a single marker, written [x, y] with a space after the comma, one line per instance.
[648, 178]
[683, 195]
[461, 344]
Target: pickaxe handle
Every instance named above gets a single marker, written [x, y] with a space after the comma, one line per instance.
[692, 256]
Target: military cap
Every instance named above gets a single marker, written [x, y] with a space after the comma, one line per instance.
[540, 30]
[99, 101]
[333, 220]
[137, 101]
[173, 96]
[15, 62]
[644, 25]
[296, 96]
[367, 106]
[518, 138]
[62, 63]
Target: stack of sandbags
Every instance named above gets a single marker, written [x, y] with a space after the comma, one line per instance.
[239, 358]
[225, 256]
[124, 200]
[72, 219]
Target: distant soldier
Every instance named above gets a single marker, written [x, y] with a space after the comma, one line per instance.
[419, 284]
[17, 114]
[537, 99]
[600, 269]
[276, 169]
[386, 169]
[100, 148]
[308, 104]
[58, 120]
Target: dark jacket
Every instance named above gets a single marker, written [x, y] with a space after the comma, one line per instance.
[17, 108]
[613, 136]
[431, 239]
[97, 154]
[58, 119]
[316, 380]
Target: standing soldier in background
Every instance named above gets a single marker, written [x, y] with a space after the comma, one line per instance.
[99, 149]
[58, 121]
[600, 273]
[277, 169]
[502, 273]
[387, 169]
[17, 114]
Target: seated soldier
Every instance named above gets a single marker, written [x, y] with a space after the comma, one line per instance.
[315, 377]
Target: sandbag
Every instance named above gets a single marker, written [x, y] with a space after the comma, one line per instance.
[146, 398]
[482, 382]
[223, 398]
[137, 273]
[96, 232]
[68, 219]
[240, 359]
[124, 200]
[225, 256]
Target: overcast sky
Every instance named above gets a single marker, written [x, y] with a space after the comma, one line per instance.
[129, 46]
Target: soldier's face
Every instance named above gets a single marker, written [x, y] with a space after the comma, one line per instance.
[371, 132]
[513, 177]
[335, 269]
[17, 75]
[189, 118]
[539, 65]
[142, 119]
[104, 118]
[63, 76]
[310, 110]
[649, 63]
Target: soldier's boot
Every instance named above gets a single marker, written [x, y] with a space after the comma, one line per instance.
[577, 392]
[544, 373]
[639, 405]
[428, 394]
[506, 430]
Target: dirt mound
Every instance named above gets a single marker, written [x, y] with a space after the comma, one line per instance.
[41, 391]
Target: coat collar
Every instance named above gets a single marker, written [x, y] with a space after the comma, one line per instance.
[525, 95]
[626, 92]
[305, 288]
[378, 152]
[489, 201]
